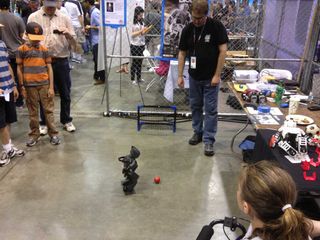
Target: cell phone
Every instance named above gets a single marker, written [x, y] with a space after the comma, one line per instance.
[56, 31]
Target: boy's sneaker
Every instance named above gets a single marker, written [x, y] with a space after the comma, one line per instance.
[15, 152]
[55, 140]
[31, 142]
[69, 127]
[5, 159]
[43, 130]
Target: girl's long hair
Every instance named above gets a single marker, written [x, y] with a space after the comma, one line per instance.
[267, 189]
[138, 10]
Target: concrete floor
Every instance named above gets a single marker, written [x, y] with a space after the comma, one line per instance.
[73, 191]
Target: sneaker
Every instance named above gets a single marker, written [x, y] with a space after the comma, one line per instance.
[195, 139]
[208, 149]
[98, 82]
[69, 127]
[134, 82]
[15, 152]
[5, 159]
[75, 60]
[141, 80]
[31, 142]
[43, 130]
[55, 140]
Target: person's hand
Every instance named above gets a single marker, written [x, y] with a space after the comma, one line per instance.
[180, 82]
[1, 92]
[146, 29]
[87, 28]
[23, 93]
[15, 93]
[215, 81]
[50, 92]
[65, 32]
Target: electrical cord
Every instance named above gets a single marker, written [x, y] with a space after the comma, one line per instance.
[224, 231]
[243, 219]
[240, 131]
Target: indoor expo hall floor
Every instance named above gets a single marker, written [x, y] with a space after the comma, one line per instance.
[72, 191]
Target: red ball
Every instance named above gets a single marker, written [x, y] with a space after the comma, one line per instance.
[156, 180]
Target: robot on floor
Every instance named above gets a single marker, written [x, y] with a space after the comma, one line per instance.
[292, 140]
[129, 167]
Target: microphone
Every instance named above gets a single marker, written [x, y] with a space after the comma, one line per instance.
[206, 233]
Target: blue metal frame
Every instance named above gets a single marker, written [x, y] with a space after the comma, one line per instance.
[173, 123]
[113, 25]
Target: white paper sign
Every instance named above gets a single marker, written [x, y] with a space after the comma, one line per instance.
[114, 12]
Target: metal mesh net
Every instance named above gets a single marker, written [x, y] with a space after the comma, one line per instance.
[263, 34]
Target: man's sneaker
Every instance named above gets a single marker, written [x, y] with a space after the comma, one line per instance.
[134, 82]
[55, 140]
[208, 149]
[5, 159]
[69, 127]
[43, 130]
[195, 139]
[31, 142]
[15, 152]
[141, 80]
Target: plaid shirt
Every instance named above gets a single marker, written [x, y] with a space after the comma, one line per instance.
[57, 44]
[6, 80]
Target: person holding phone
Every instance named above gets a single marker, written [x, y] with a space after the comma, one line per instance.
[137, 44]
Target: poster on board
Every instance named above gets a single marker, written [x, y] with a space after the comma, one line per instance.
[114, 13]
[175, 17]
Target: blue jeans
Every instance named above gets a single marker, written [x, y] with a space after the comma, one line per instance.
[62, 79]
[202, 94]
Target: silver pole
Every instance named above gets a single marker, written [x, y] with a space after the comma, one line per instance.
[227, 59]
[109, 69]
[105, 69]
[120, 59]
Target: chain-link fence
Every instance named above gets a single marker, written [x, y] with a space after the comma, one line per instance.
[263, 34]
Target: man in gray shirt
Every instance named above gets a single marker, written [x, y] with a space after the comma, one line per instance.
[153, 17]
[12, 34]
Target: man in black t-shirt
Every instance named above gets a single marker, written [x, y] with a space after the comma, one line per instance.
[204, 43]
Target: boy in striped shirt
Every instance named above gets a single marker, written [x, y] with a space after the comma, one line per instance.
[36, 81]
[8, 95]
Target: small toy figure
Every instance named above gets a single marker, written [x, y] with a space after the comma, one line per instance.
[279, 93]
[129, 167]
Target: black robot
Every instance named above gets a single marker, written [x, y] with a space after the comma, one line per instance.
[129, 167]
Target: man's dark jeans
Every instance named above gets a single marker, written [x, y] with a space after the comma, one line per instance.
[62, 79]
[203, 96]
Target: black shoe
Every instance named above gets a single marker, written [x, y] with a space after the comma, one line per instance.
[208, 149]
[195, 139]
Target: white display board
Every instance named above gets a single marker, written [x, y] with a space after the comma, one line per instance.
[114, 13]
[111, 33]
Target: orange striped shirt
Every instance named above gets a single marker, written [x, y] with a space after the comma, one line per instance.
[34, 60]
